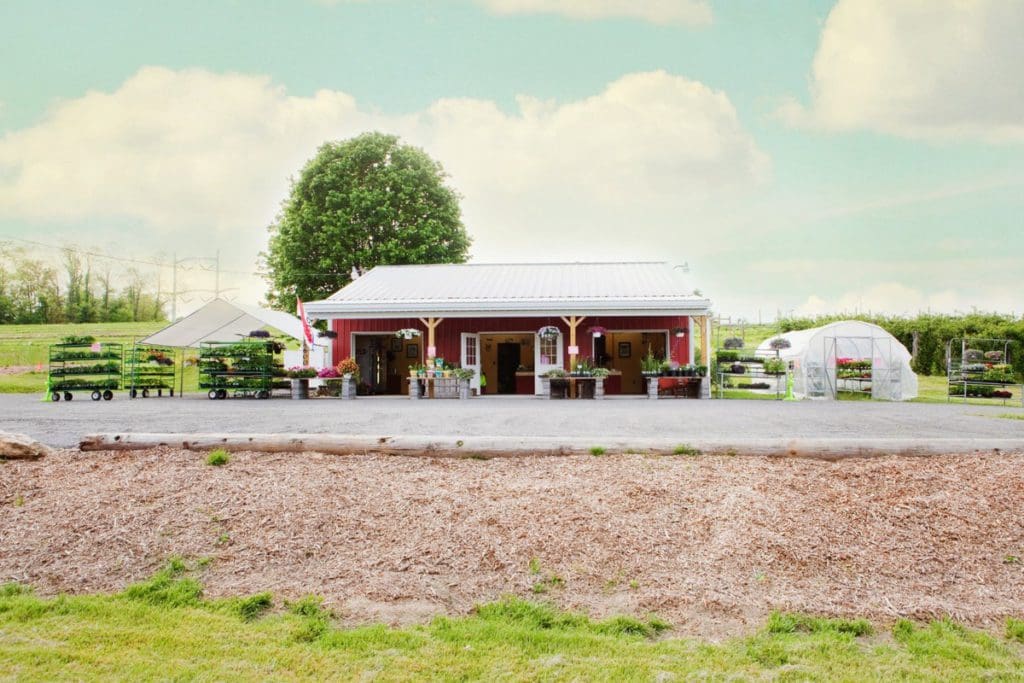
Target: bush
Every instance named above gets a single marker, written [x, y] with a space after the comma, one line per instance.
[218, 457]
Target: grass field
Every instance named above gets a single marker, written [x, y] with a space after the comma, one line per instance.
[27, 346]
[163, 628]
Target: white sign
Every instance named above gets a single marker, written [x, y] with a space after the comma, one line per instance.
[574, 350]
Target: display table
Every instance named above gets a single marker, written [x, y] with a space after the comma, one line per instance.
[433, 387]
[679, 387]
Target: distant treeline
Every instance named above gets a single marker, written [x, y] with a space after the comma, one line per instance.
[35, 291]
[933, 332]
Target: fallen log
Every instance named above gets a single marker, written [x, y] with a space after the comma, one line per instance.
[22, 447]
[467, 446]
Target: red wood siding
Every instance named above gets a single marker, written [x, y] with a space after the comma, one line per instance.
[447, 335]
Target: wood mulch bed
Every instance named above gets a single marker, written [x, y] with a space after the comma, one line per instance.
[711, 544]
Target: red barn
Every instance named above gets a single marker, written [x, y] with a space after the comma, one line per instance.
[497, 319]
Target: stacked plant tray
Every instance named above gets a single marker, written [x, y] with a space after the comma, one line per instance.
[242, 368]
[151, 370]
[85, 366]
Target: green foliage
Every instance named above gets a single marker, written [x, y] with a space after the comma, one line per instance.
[685, 449]
[33, 291]
[218, 457]
[933, 331]
[108, 637]
[793, 623]
[597, 450]
[360, 203]
[1015, 630]
[252, 607]
[167, 588]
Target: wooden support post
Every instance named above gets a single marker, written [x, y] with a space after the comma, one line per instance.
[573, 322]
[431, 324]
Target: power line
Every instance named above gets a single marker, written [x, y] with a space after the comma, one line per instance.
[86, 252]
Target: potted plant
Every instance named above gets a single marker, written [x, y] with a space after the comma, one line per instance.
[774, 366]
[299, 376]
[733, 343]
[779, 343]
[679, 332]
[348, 368]
[328, 334]
[407, 333]
[596, 330]
[649, 365]
[548, 332]
[973, 355]
[464, 375]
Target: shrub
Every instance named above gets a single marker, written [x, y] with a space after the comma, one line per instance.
[218, 457]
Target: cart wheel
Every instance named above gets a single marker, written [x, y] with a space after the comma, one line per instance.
[133, 393]
[263, 394]
[145, 393]
[68, 396]
[55, 396]
[107, 395]
[222, 394]
[212, 394]
[95, 396]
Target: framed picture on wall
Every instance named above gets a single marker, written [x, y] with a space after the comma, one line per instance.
[625, 349]
[412, 351]
[396, 344]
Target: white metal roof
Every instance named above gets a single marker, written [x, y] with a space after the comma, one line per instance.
[509, 289]
[222, 320]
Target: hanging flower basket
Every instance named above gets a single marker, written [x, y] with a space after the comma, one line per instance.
[548, 332]
[779, 343]
[407, 333]
[597, 330]
[679, 332]
[328, 334]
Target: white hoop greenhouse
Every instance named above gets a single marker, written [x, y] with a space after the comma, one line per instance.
[846, 356]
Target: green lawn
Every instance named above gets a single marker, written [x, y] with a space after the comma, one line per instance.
[164, 629]
[28, 344]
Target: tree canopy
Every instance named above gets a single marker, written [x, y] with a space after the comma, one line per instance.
[360, 203]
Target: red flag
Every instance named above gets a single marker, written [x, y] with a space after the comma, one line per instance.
[301, 312]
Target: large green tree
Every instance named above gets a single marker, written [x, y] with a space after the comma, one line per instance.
[360, 203]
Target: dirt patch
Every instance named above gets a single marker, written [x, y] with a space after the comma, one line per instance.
[711, 544]
[18, 369]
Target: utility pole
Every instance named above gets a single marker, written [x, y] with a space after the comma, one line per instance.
[175, 262]
[174, 287]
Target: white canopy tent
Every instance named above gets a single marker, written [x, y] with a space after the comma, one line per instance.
[222, 320]
[813, 355]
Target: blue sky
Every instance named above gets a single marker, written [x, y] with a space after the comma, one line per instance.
[805, 156]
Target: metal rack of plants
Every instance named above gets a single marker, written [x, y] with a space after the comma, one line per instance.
[853, 376]
[242, 368]
[767, 373]
[149, 369]
[83, 364]
[981, 368]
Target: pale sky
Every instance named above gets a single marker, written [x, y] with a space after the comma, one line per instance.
[803, 156]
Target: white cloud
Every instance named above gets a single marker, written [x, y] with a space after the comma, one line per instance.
[663, 12]
[200, 158]
[919, 68]
[898, 298]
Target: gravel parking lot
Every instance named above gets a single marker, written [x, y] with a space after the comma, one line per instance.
[62, 424]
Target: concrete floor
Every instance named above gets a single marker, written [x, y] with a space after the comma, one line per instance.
[63, 424]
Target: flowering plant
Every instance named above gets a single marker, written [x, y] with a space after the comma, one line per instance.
[301, 372]
[779, 343]
[348, 366]
[407, 333]
[596, 330]
[548, 332]
[328, 373]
